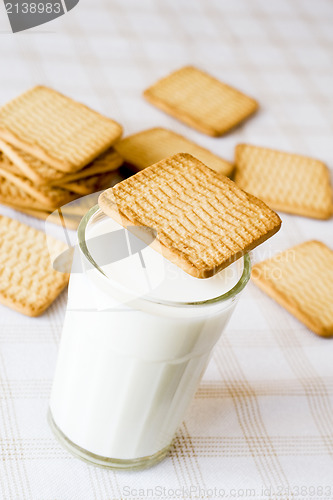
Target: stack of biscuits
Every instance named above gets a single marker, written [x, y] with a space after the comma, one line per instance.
[54, 150]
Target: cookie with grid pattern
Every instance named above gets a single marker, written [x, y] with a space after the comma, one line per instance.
[201, 101]
[150, 146]
[288, 182]
[28, 283]
[204, 222]
[300, 279]
[40, 172]
[50, 197]
[61, 132]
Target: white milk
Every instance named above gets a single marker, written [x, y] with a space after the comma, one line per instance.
[129, 365]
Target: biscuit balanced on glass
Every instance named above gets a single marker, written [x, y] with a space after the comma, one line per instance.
[203, 221]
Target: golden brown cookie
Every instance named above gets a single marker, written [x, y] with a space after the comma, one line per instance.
[300, 279]
[150, 146]
[287, 182]
[201, 101]
[28, 283]
[204, 222]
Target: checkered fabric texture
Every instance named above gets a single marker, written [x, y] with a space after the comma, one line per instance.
[262, 419]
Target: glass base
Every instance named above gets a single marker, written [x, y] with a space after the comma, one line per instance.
[105, 462]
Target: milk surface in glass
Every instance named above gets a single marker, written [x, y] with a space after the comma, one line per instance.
[136, 340]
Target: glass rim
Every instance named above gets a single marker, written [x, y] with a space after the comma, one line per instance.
[230, 294]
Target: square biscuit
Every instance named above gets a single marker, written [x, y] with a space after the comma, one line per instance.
[201, 101]
[28, 283]
[150, 146]
[204, 222]
[61, 132]
[288, 182]
[300, 279]
[40, 172]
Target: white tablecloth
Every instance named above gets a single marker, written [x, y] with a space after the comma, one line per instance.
[261, 424]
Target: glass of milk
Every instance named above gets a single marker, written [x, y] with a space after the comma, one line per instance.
[137, 337]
